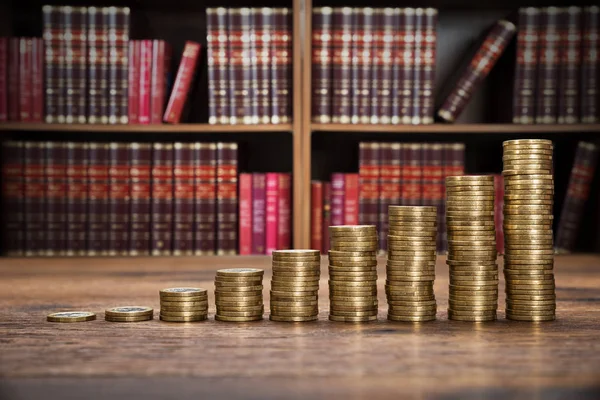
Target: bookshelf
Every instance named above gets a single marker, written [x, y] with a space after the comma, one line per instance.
[451, 129]
[153, 128]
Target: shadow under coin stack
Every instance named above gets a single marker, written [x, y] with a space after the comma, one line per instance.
[129, 314]
[183, 304]
[471, 248]
[528, 215]
[353, 273]
[295, 285]
[411, 263]
[238, 294]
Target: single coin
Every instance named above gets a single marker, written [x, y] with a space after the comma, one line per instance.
[183, 319]
[424, 318]
[236, 295]
[184, 308]
[241, 284]
[294, 293]
[245, 308]
[128, 311]
[294, 303]
[472, 318]
[181, 314]
[335, 253]
[240, 272]
[335, 268]
[241, 314]
[237, 289]
[128, 319]
[71, 316]
[232, 280]
[531, 318]
[182, 292]
[293, 318]
[295, 259]
[352, 228]
[296, 253]
[238, 319]
[298, 274]
[296, 264]
[283, 314]
[353, 319]
[359, 240]
[239, 299]
[198, 303]
[357, 266]
[295, 279]
[353, 314]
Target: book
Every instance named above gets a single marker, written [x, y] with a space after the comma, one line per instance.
[589, 65]
[183, 198]
[56, 198]
[35, 198]
[322, 35]
[263, 32]
[326, 216]
[253, 93]
[119, 199]
[140, 162]
[227, 202]
[162, 199]
[259, 187]
[337, 199]
[25, 93]
[272, 211]
[245, 232]
[98, 60]
[428, 67]
[98, 198]
[118, 38]
[525, 83]
[499, 211]
[53, 60]
[569, 59]
[75, 63]
[402, 71]
[578, 191]
[381, 85]
[547, 85]
[37, 81]
[77, 199]
[281, 67]
[351, 197]
[418, 64]
[158, 86]
[285, 212]
[205, 221]
[369, 181]
[144, 110]
[3, 79]
[362, 48]
[390, 156]
[183, 82]
[134, 81]
[316, 221]
[412, 174]
[219, 109]
[238, 64]
[13, 196]
[341, 65]
[14, 100]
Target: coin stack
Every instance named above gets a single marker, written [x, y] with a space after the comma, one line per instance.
[411, 263]
[295, 285]
[528, 254]
[238, 294]
[183, 304]
[353, 273]
[129, 314]
[71, 316]
[471, 248]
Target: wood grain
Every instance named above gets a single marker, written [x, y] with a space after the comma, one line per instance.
[459, 128]
[153, 128]
[441, 359]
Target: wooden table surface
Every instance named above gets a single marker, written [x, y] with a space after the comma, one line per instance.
[441, 359]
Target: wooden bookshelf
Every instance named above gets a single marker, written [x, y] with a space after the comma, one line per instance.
[452, 129]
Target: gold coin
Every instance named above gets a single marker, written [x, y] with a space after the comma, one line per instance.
[411, 278]
[361, 268]
[238, 314]
[410, 269]
[353, 266]
[532, 298]
[353, 319]
[292, 287]
[424, 318]
[236, 295]
[300, 274]
[296, 279]
[487, 190]
[235, 280]
[294, 303]
[296, 253]
[474, 299]
[240, 285]
[400, 297]
[468, 203]
[410, 248]
[293, 318]
[396, 235]
[350, 247]
[128, 319]
[129, 311]
[524, 143]
[292, 299]
[471, 178]
[249, 308]
[474, 186]
[353, 303]
[335, 253]
[296, 259]
[405, 313]
[474, 274]
[294, 293]
[512, 197]
[237, 289]
[359, 240]
[71, 316]
[527, 157]
[410, 295]
[398, 257]
[305, 314]
[353, 314]
[466, 309]
[178, 304]
[530, 305]
[531, 318]
[293, 264]
[353, 292]
[543, 312]
[240, 272]
[181, 314]
[238, 299]
[458, 198]
[198, 308]
[542, 177]
[351, 228]
[482, 290]
[184, 319]
[182, 292]
[399, 227]
[474, 302]
[529, 273]
[342, 284]
[238, 319]
[482, 313]
[412, 209]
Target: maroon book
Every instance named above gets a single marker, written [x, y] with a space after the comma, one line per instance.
[56, 198]
[98, 198]
[54, 56]
[140, 160]
[569, 59]
[253, 54]
[77, 199]
[326, 215]
[75, 64]
[386, 23]
[13, 79]
[206, 195]
[589, 65]
[13, 196]
[547, 85]
[219, 108]
[259, 206]
[525, 83]
[162, 199]
[284, 208]
[418, 67]
[337, 199]
[25, 92]
[35, 199]
[97, 67]
[362, 57]
[428, 68]
[342, 64]
[316, 220]
[135, 49]
[183, 82]
[3, 79]
[227, 204]
[144, 110]
[118, 71]
[412, 174]
[158, 86]
[245, 230]
[263, 31]
[322, 31]
[119, 199]
[402, 71]
[369, 158]
[184, 201]
[281, 67]
[37, 81]
[239, 66]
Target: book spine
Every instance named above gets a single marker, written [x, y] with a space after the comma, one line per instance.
[245, 111]
[206, 194]
[157, 81]
[145, 81]
[259, 185]
[351, 199]
[97, 64]
[281, 67]
[14, 101]
[547, 107]
[316, 208]
[53, 49]
[227, 165]
[322, 34]
[98, 198]
[578, 191]
[118, 199]
[272, 212]
[118, 38]
[342, 64]
[285, 212]
[376, 59]
[498, 212]
[326, 216]
[525, 84]
[183, 82]
[71, 102]
[218, 57]
[77, 198]
[382, 74]
[35, 199]
[236, 65]
[253, 94]
[3, 79]
[56, 198]
[245, 232]
[134, 82]
[402, 91]
[412, 174]
[569, 62]
[337, 199]
[37, 81]
[362, 48]
[13, 197]
[263, 33]
[76, 66]
[418, 67]
[161, 231]
[183, 199]
[388, 189]
[427, 178]
[140, 161]
[25, 80]
[589, 65]
[479, 67]
[369, 155]
[428, 72]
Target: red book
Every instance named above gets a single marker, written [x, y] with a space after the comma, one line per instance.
[569, 59]
[145, 81]
[259, 193]
[351, 199]
[97, 66]
[589, 65]
[341, 65]
[118, 43]
[389, 157]
[219, 108]
[158, 86]
[322, 31]
[386, 23]
[119, 199]
[238, 65]
[326, 216]
[337, 198]
[37, 81]
[412, 174]
[13, 197]
[263, 31]
[272, 211]
[56, 198]
[526, 66]
[254, 93]
[547, 87]
[77, 198]
[35, 199]
[316, 209]
[54, 51]
[206, 194]
[162, 199]
[140, 161]
[499, 212]
[369, 183]
[284, 217]
[245, 214]
[227, 201]
[183, 81]
[135, 48]
[281, 67]
[14, 99]
[75, 63]
[98, 198]
[362, 54]
[183, 196]
[25, 89]
[428, 72]
[403, 67]
[3, 79]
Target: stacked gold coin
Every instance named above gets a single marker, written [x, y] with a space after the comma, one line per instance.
[183, 304]
[238, 294]
[528, 254]
[353, 273]
[129, 314]
[295, 285]
[471, 248]
[411, 263]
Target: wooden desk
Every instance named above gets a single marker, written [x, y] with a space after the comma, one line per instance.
[441, 359]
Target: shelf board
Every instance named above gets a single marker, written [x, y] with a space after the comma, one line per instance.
[153, 128]
[458, 128]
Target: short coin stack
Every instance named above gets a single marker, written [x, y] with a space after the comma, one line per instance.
[353, 273]
[129, 314]
[183, 304]
[295, 285]
[528, 254]
[411, 263]
[71, 316]
[238, 294]
[471, 248]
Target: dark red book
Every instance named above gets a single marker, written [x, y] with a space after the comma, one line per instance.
[227, 201]
[387, 20]
[13, 199]
[219, 109]
[285, 212]
[77, 199]
[135, 49]
[98, 198]
[75, 64]
[35, 199]
[342, 65]
[351, 199]
[412, 174]
[578, 192]
[14, 100]
[433, 179]
[259, 193]
[525, 82]
[253, 54]
[54, 56]
[263, 31]
[145, 81]
[499, 212]
[548, 66]
[184, 199]
[402, 71]
[322, 52]
[56, 198]
[589, 65]
[428, 68]
[25, 80]
[183, 81]
[362, 56]
[389, 189]
[245, 232]
[206, 193]
[316, 221]
[418, 66]
[158, 87]
[272, 211]
[3, 79]
[119, 199]
[140, 160]
[97, 65]
[161, 231]
[326, 216]
[37, 81]
[238, 65]
[569, 59]
[281, 67]
[369, 155]
[338, 182]
[118, 82]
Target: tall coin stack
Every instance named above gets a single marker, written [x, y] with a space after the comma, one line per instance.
[183, 304]
[471, 248]
[238, 294]
[353, 273]
[528, 254]
[295, 285]
[411, 263]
